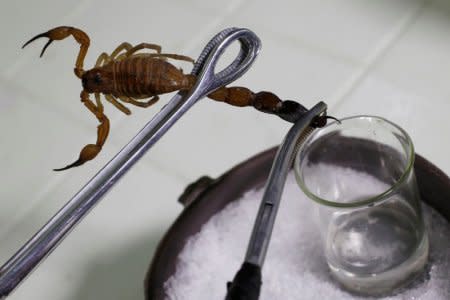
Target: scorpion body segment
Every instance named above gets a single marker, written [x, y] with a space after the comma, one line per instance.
[141, 77]
[126, 77]
[137, 77]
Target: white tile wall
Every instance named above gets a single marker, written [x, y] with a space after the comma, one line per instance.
[389, 58]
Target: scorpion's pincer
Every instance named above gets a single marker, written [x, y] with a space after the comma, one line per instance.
[60, 33]
[37, 37]
[87, 153]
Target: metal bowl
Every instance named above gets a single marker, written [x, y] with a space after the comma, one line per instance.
[205, 197]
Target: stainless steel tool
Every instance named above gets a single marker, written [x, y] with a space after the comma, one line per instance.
[48, 237]
[247, 282]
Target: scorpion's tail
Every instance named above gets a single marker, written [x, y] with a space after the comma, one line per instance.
[240, 96]
[266, 102]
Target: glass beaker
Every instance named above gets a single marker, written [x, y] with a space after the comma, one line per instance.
[361, 174]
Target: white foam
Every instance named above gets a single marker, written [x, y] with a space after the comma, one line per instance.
[295, 266]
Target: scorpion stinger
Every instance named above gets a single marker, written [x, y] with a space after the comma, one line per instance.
[52, 233]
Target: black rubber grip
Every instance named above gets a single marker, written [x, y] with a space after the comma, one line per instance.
[246, 284]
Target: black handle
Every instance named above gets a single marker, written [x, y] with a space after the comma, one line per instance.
[246, 285]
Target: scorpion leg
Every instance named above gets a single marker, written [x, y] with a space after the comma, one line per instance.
[124, 46]
[173, 56]
[98, 102]
[141, 46]
[117, 104]
[102, 60]
[148, 103]
[60, 33]
[91, 150]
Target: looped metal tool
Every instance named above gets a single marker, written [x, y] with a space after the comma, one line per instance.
[48, 237]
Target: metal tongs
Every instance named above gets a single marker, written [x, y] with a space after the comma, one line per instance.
[247, 282]
[49, 236]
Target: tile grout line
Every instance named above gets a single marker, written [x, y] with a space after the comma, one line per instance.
[208, 30]
[375, 56]
[311, 47]
[49, 187]
[31, 98]
[32, 202]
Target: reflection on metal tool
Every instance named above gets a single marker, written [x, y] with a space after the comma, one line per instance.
[48, 237]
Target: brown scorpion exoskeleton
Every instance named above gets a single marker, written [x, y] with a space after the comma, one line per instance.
[127, 76]
[124, 76]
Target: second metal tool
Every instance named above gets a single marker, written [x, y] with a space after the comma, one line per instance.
[247, 282]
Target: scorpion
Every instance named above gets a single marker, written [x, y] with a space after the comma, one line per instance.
[129, 76]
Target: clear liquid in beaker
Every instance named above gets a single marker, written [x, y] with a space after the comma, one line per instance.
[372, 251]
